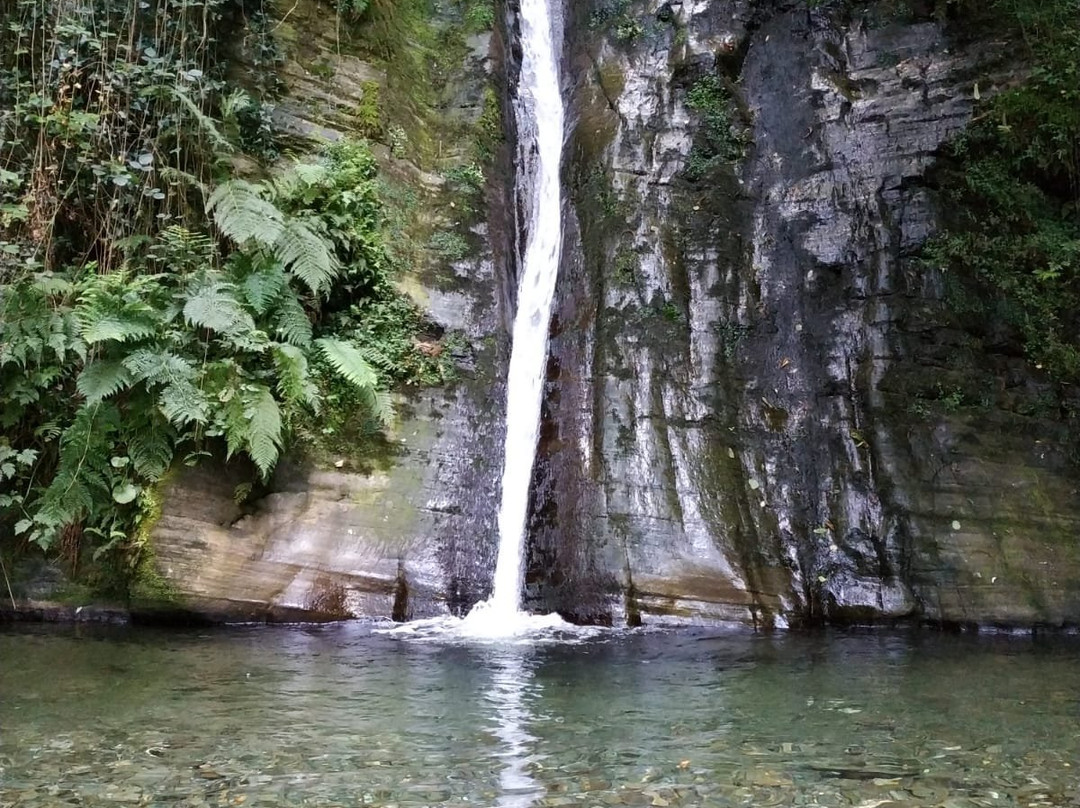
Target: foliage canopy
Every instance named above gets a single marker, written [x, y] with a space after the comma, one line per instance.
[1011, 188]
[155, 307]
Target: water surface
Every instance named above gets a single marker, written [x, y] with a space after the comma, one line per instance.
[340, 716]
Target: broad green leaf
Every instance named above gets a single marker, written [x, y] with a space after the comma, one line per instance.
[125, 492]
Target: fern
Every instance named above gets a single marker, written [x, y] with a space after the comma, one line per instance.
[101, 379]
[348, 362]
[206, 123]
[188, 334]
[158, 366]
[50, 283]
[181, 402]
[262, 285]
[79, 482]
[307, 174]
[230, 421]
[243, 215]
[150, 448]
[306, 255]
[294, 381]
[180, 250]
[102, 327]
[291, 322]
[63, 336]
[379, 359]
[115, 308]
[262, 436]
[211, 303]
[380, 405]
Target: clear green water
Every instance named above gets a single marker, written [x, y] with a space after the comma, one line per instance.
[339, 716]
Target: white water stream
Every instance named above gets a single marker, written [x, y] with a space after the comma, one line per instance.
[540, 137]
[540, 114]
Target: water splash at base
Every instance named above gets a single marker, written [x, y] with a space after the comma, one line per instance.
[487, 623]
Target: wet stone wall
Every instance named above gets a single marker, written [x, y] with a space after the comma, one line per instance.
[752, 397]
[758, 407]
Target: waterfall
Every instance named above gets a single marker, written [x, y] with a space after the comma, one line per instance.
[540, 128]
[540, 137]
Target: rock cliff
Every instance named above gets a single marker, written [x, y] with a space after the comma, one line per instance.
[759, 408]
[402, 526]
[774, 419]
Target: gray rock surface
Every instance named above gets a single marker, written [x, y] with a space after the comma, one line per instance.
[767, 433]
[400, 529]
[759, 409]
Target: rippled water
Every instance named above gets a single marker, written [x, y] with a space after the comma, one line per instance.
[342, 716]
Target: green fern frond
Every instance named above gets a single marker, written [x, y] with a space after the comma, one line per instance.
[241, 212]
[311, 173]
[63, 334]
[150, 448]
[243, 340]
[306, 255]
[263, 439]
[294, 382]
[291, 322]
[262, 285]
[181, 402]
[53, 284]
[348, 363]
[231, 421]
[206, 123]
[85, 449]
[65, 502]
[117, 307]
[180, 250]
[234, 103]
[379, 359]
[113, 328]
[380, 405]
[101, 379]
[211, 303]
[158, 366]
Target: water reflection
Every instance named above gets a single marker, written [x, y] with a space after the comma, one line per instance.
[339, 716]
[512, 683]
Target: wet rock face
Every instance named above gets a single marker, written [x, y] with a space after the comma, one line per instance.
[402, 539]
[758, 405]
[401, 530]
[758, 409]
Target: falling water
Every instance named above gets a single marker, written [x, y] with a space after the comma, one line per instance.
[540, 133]
[540, 112]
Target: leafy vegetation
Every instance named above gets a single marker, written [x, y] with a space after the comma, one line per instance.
[721, 139]
[369, 116]
[490, 128]
[617, 16]
[1011, 191]
[156, 308]
[626, 266]
[197, 346]
[479, 15]
[449, 244]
